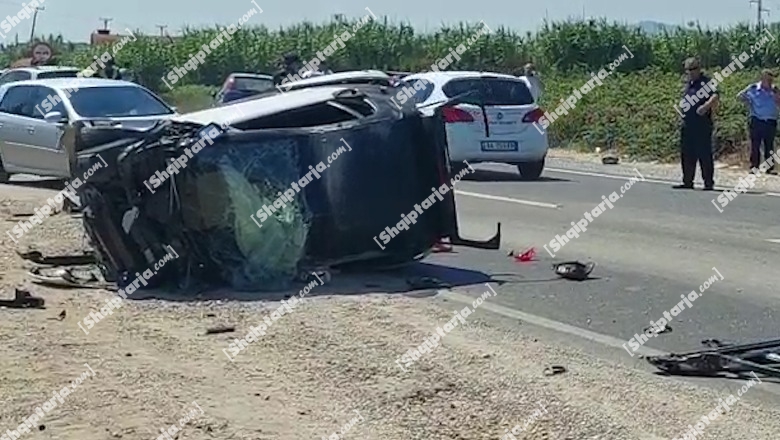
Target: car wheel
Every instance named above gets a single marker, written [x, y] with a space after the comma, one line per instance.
[4, 176]
[456, 167]
[531, 170]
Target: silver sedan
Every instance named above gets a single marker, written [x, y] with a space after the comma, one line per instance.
[35, 113]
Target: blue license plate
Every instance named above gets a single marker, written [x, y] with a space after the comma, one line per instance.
[499, 146]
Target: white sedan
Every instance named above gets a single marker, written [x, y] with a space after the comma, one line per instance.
[496, 123]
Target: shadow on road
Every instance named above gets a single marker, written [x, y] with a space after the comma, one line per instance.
[403, 281]
[505, 176]
[54, 184]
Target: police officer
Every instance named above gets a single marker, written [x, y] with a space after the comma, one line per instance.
[700, 98]
[762, 98]
[110, 71]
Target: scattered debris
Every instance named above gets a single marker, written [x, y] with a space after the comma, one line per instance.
[526, 256]
[220, 329]
[554, 370]
[760, 357]
[441, 247]
[658, 330]
[610, 160]
[23, 300]
[574, 270]
[67, 277]
[62, 315]
[59, 260]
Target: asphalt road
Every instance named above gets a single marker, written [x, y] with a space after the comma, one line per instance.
[654, 245]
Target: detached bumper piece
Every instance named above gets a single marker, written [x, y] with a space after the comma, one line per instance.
[761, 358]
[222, 214]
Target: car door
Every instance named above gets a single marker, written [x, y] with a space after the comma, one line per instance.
[13, 136]
[49, 154]
[30, 144]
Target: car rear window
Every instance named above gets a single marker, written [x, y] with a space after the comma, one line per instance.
[58, 74]
[253, 84]
[421, 89]
[490, 91]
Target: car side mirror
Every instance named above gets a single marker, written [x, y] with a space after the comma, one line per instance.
[55, 118]
[175, 109]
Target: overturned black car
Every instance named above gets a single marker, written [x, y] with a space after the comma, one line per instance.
[253, 194]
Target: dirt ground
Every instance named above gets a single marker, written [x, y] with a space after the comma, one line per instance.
[330, 363]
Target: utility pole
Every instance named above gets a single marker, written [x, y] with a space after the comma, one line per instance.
[760, 10]
[106, 21]
[162, 29]
[35, 19]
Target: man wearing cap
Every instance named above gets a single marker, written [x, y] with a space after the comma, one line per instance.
[762, 99]
[700, 98]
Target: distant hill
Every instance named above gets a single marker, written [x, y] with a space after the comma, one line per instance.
[654, 27]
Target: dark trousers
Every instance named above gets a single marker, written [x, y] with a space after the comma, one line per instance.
[697, 147]
[761, 131]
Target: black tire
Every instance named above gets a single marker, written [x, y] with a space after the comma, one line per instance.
[531, 170]
[4, 176]
[456, 167]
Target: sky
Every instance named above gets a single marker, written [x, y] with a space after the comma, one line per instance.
[76, 19]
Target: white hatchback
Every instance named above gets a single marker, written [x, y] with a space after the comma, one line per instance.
[493, 124]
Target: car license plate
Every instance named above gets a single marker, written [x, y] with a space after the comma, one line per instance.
[499, 146]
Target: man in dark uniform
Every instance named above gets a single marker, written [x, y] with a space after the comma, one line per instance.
[700, 98]
[290, 65]
[110, 71]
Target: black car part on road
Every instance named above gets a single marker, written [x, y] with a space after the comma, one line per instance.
[205, 211]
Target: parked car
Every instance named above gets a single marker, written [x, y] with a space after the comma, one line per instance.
[387, 160]
[33, 121]
[243, 85]
[494, 123]
[38, 72]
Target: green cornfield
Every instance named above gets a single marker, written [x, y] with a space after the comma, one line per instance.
[560, 47]
[632, 112]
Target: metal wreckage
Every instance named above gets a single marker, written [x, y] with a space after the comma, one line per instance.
[239, 162]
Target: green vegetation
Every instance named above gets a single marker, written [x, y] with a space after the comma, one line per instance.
[633, 111]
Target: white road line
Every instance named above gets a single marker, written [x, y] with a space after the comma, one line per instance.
[550, 324]
[626, 177]
[507, 199]
[773, 240]
[608, 176]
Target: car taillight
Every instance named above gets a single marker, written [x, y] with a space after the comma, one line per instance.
[533, 115]
[452, 115]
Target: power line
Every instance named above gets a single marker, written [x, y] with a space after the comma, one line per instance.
[759, 10]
